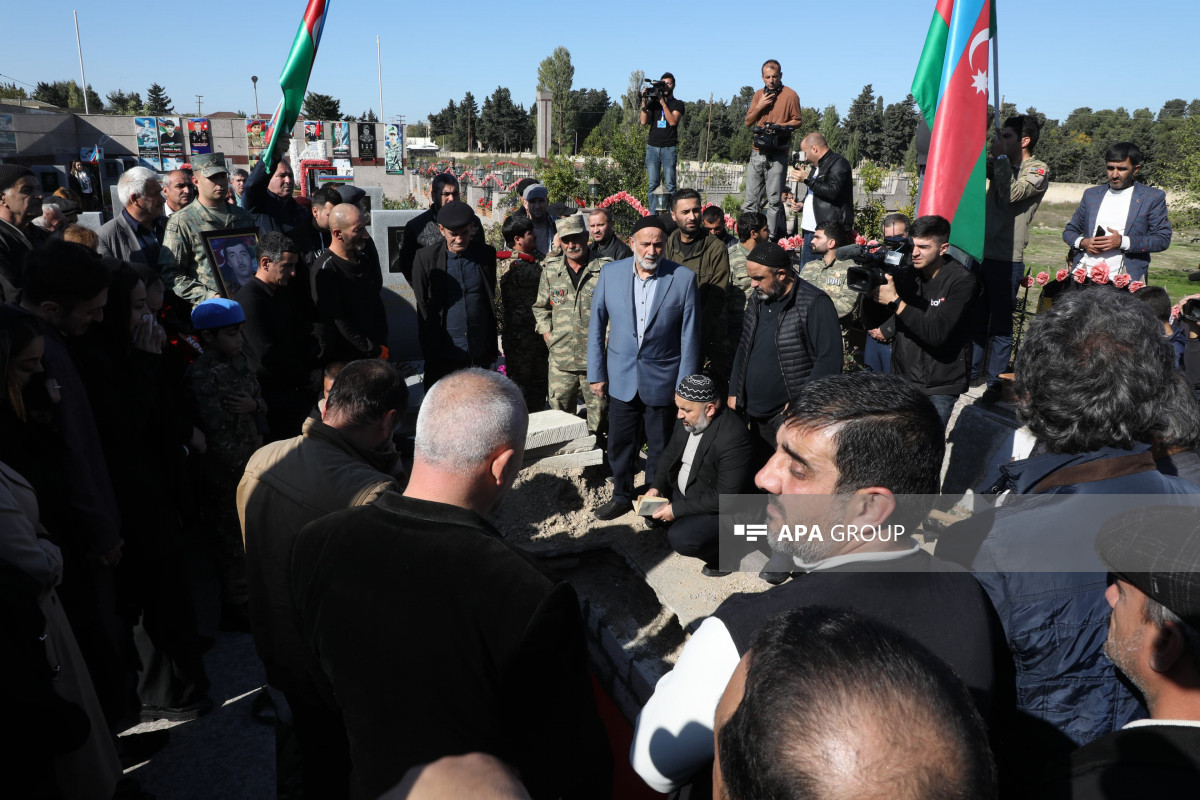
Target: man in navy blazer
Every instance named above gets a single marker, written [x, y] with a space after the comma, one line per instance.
[643, 339]
[1121, 223]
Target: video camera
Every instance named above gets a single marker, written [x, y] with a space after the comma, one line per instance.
[1190, 311]
[772, 136]
[653, 93]
[876, 262]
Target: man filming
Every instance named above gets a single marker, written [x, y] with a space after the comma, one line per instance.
[662, 112]
[932, 349]
[774, 104]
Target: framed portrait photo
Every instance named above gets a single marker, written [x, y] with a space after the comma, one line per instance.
[231, 252]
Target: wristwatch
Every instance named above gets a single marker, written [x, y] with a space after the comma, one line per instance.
[894, 305]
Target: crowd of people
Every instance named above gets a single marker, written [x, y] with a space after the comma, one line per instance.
[193, 417]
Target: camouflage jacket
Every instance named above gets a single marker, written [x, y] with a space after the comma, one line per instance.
[564, 312]
[183, 260]
[517, 278]
[232, 438]
[1012, 199]
[831, 279]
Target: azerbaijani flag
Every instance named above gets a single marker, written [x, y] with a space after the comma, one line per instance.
[951, 89]
[294, 80]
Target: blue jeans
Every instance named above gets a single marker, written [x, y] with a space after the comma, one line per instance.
[806, 253]
[767, 170]
[993, 326]
[660, 168]
[878, 355]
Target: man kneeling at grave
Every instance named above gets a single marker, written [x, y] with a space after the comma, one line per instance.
[709, 455]
[859, 449]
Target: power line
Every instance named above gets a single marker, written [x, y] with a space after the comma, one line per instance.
[11, 78]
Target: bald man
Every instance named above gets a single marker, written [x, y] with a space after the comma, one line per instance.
[830, 185]
[351, 321]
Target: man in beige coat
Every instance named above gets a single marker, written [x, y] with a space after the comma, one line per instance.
[345, 460]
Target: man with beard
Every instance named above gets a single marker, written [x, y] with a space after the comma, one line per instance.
[708, 456]
[691, 245]
[604, 239]
[790, 335]
[422, 230]
[351, 319]
[858, 449]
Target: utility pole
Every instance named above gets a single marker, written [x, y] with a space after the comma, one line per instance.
[708, 139]
[199, 97]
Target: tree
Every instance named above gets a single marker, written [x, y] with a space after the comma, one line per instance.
[66, 94]
[1184, 175]
[129, 104]
[364, 116]
[556, 75]
[590, 107]
[864, 128]
[466, 123]
[631, 101]
[899, 131]
[418, 129]
[321, 106]
[1193, 109]
[12, 91]
[157, 101]
[831, 128]
[443, 126]
[1172, 109]
[502, 124]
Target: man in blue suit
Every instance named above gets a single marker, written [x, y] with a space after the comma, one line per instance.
[1121, 223]
[643, 339]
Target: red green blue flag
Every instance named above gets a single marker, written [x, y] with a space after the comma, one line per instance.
[294, 80]
[951, 89]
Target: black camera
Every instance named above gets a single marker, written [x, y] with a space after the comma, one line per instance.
[876, 262]
[1190, 311]
[772, 136]
[769, 92]
[654, 93]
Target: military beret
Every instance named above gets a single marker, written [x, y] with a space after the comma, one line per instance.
[534, 191]
[1157, 549]
[10, 174]
[770, 255]
[217, 312]
[648, 222]
[570, 226]
[455, 214]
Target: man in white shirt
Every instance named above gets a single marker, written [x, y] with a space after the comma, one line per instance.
[1121, 223]
[1154, 639]
[854, 445]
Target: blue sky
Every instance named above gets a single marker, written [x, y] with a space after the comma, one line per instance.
[1054, 54]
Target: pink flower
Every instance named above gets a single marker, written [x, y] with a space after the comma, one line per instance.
[1135, 285]
[860, 239]
[1080, 275]
[1061, 275]
[1099, 272]
[1121, 281]
[1042, 278]
[1027, 281]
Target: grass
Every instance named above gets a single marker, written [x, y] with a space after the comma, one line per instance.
[1047, 251]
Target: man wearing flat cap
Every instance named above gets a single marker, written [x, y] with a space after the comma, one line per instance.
[454, 282]
[186, 267]
[1153, 557]
[709, 455]
[536, 200]
[643, 339]
[20, 204]
[790, 336]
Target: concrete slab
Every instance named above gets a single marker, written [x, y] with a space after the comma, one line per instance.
[588, 458]
[553, 428]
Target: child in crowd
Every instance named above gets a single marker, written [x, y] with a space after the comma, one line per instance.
[233, 417]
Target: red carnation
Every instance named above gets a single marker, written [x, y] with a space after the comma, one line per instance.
[1099, 272]
[1122, 280]
[1080, 275]
[860, 239]
[1042, 278]
[1061, 275]
[1027, 281]
[1135, 285]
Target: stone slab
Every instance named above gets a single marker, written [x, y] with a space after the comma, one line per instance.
[574, 446]
[568, 461]
[553, 428]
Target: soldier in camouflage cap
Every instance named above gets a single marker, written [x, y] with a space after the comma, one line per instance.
[186, 267]
[519, 273]
[828, 273]
[563, 310]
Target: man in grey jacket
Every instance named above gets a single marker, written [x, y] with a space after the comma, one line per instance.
[136, 233]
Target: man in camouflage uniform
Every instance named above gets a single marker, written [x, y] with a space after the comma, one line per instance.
[563, 310]
[185, 265]
[751, 231]
[232, 413]
[828, 273]
[1019, 181]
[519, 273]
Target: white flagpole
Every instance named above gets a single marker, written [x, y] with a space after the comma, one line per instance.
[379, 65]
[82, 77]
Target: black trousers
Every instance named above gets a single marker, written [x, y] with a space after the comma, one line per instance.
[320, 736]
[625, 424]
[694, 536]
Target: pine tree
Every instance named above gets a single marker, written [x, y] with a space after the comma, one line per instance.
[157, 102]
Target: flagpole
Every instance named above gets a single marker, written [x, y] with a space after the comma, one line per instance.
[82, 77]
[996, 68]
[379, 66]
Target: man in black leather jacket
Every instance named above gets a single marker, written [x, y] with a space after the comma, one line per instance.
[830, 185]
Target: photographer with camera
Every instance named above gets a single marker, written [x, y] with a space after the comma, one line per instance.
[662, 112]
[830, 183]
[774, 112]
[932, 347]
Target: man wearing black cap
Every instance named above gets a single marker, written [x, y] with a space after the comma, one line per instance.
[1154, 640]
[652, 343]
[422, 230]
[709, 455]
[454, 282]
[20, 203]
[790, 335]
